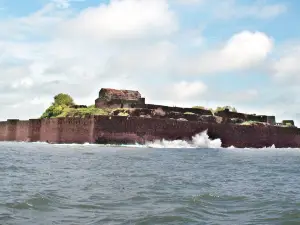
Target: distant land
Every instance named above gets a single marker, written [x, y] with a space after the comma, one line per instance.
[124, 117]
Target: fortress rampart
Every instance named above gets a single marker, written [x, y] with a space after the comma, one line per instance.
[125, 130]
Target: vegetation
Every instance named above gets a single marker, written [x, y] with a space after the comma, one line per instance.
[199, 107]
[123, 114]
[230, 108]
[62, 107]
[63, 100]
[83, 112]
[250, 122]
[189, 113]
[288, 125]
[218, 109]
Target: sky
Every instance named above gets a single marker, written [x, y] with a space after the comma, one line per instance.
[241, 53]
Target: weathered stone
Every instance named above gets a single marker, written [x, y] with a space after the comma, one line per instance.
[113, 98]
[236, 120]
[182, 119]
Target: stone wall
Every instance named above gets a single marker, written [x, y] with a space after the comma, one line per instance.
[3, 130]
[113, 98]
[22, 133]
[175, 109]
[76, 130]
[118, 129]
[118, 103]
[50, 130]
[34, 133]
[247, 117]
[11, 129]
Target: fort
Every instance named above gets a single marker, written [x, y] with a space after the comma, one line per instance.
[148, 122]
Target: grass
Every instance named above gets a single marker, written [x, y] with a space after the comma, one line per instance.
[90, 111]
[189, 113]
[250, 123]
[123, 114]
[83, 112]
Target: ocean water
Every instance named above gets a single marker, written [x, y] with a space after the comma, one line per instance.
[161, 183]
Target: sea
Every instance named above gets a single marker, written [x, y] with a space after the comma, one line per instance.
[157, 183]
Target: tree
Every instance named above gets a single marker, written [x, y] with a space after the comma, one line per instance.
[53, 111]
[63, 99]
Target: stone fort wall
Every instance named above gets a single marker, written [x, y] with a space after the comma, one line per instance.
[105, 129]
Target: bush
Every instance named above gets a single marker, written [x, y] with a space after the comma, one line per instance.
[61, 108]
[53, 111]
[61, 102]
[123, 114]
[83, 112]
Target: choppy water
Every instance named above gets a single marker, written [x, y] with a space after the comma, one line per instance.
[90, 184]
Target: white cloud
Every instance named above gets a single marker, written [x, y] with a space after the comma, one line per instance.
[286, 66]
[37, 70]
[258, 9]
[187, 90]
[242, 51]
[124, 19]
[62, 3]
[123, 44]
[191, 2]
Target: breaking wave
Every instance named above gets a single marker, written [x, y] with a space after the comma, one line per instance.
[200, 140]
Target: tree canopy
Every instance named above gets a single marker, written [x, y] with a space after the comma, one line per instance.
[61, 101]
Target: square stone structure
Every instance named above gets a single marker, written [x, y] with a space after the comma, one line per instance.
[114, 98]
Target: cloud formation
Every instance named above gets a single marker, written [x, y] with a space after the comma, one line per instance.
[243, 50]
[133, 44]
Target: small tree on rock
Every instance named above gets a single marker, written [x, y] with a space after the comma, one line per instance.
[63, 99]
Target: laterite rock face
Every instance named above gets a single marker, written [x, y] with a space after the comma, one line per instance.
[124, 130]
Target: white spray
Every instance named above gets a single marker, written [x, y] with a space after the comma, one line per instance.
[200, 140]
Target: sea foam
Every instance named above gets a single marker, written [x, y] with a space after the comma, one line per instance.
[200, 140]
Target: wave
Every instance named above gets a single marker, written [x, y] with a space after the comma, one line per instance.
[200, 140]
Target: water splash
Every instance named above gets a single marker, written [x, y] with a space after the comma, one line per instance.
[200, 140]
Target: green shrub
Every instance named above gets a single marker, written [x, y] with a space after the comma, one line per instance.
[250, 122]
[189, 113]
[198, 107]
[61, 108]
[123, 114]
[231, 109]
[83, 112]
[53, 111]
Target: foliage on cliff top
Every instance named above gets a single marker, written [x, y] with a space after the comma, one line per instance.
[218, 109]
[199, 107]
[63, 100]
[83, 112]
[189, 113]
[61, 107]
[252, 123]
[230, 108]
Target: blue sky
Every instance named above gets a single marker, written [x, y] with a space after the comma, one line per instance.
[244, 53]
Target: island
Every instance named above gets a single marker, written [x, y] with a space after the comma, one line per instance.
[124, 117]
